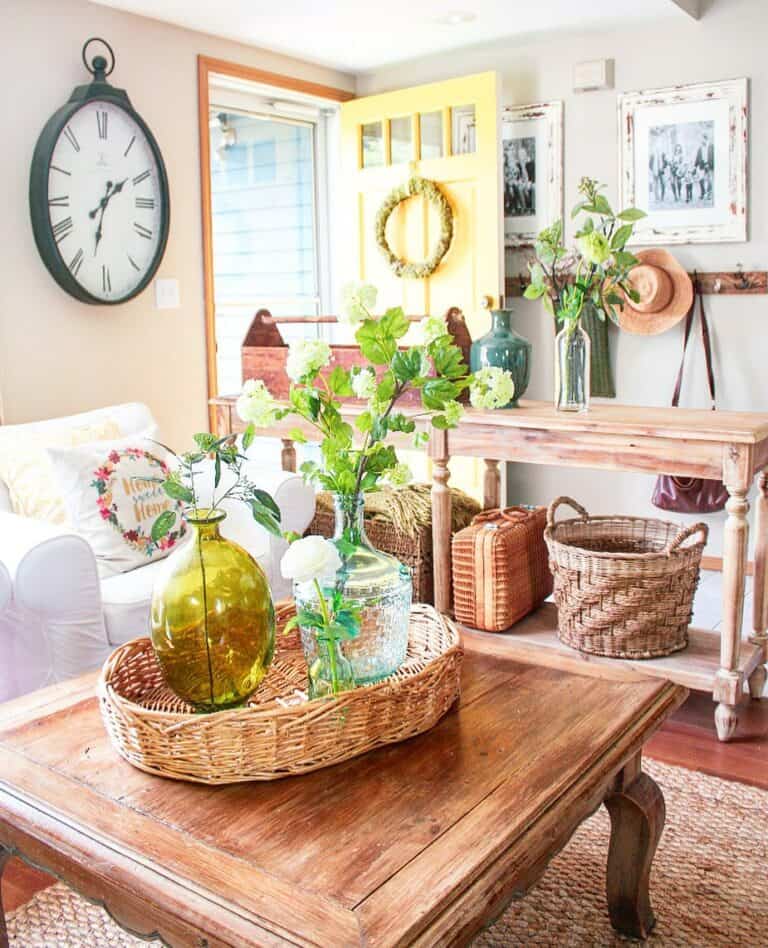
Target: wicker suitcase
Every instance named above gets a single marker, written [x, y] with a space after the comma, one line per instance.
[500, 567]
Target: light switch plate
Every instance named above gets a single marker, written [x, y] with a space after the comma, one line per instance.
[167, 294]
[593, 75]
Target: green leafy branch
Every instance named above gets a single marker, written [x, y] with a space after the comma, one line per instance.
[597, 272]
[180, 485]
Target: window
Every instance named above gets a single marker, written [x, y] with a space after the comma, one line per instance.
[270, 185]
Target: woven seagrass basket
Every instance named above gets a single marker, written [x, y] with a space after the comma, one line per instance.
[279, 732]
[624, 586]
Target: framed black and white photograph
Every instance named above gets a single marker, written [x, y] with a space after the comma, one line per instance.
[683, 160]
[532, 154]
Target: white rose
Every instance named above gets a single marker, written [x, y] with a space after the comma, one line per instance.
[358, 299]
[364, 383]
[257, 404]
[310, 558]
[491, 387]
[305, 357]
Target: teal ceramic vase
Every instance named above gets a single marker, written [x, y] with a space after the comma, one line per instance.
[506, 349]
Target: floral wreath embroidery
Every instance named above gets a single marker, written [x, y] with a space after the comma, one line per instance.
[136, 537]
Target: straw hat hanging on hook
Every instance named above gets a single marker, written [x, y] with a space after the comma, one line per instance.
[666, 294]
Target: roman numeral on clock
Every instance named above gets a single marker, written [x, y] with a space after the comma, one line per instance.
[142, 231]
[62, 229]
[70, 136]
[62, 201]
[133, 263]
[147, 204]
[130, 146]
[141, 177]
[76, 262]
[101, 122]
[106, 282]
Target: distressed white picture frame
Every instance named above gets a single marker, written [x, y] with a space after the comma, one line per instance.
[544, 123]
[720, 106]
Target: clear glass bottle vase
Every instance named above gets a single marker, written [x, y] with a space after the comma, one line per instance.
[572, 368]
[379, 583]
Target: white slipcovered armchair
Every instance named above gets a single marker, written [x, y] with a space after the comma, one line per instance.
[58, 618]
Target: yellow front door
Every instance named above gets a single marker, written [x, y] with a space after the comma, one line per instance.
[447, 132]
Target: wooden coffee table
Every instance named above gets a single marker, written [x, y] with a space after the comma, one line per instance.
[420, 843]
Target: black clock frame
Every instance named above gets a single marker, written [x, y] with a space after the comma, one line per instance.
[102, 91]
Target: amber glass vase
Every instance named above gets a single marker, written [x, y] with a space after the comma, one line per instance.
[213, 622]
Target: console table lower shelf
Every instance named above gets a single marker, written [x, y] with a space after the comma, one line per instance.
[534, 639]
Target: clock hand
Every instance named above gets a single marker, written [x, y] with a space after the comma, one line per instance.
[112, 190]
[103, 202]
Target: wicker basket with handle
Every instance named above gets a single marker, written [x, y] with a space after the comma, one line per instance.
[624, 586]
[278, 732]
[500, 569]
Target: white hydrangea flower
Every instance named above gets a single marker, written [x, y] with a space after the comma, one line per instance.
[431, 328]
[364, 383]
[491, 387]
[256, 404]
[398, 476]
[306, 356]
[453, 411]
[358, 299]
[310, 558]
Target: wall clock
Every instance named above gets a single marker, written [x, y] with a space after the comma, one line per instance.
[98, 193]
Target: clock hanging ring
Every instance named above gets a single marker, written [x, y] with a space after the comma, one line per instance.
[433, 194]
[98, 192]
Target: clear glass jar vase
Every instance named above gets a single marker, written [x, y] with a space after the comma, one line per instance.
[330, 672]
[212, 619]
[572, 368]
[382, 587]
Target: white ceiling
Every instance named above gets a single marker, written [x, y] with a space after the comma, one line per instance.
[360, 35]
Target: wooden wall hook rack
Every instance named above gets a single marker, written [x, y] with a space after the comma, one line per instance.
[719, 283]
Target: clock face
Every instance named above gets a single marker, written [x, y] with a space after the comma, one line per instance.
[105, 201]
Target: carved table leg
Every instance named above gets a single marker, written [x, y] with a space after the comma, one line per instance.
[729, 681]
[441, 520]
[636, 806]
[288, 455]
[5, 855]
[491, 485]
[760, 613]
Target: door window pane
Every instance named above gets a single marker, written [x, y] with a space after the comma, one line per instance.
[263, 226]
[431, 124]
[463, 130]
[373, 145]
[401, 139]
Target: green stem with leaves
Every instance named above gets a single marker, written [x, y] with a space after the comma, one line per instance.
[331, 642]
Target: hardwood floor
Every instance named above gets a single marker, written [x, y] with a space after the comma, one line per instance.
[687, 739]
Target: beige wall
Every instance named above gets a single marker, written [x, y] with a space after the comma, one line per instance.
[58, 355]
[729, 41]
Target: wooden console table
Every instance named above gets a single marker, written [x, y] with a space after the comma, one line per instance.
[685, 442]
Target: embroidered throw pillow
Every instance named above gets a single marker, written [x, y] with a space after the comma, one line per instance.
[26, 470]
[113, 498]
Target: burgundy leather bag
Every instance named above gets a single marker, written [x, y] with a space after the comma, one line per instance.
[692, 494]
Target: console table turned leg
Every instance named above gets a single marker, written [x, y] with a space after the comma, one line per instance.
[441, 521]
[491, 485]
[760, 594]
[729, 681]
[636, 807]
[5, 855]
[288, 455]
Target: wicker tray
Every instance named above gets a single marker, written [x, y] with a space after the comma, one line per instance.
[279, 732]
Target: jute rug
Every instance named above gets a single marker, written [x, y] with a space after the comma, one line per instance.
[709, 884]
